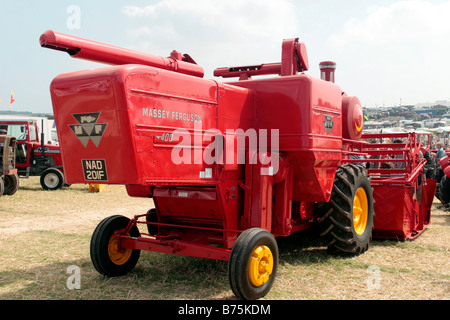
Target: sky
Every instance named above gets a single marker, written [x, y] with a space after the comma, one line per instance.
[388, 52]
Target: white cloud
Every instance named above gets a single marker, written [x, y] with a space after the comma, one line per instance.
[215, 33]
[400, 49]
[406, 21]
[384, 54]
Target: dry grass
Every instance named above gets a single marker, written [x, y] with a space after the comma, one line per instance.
[43, 233]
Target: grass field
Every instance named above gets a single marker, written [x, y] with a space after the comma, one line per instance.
[43, 234]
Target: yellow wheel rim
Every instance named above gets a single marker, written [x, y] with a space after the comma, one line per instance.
[118, 256]
[360, 211]
[261, 266]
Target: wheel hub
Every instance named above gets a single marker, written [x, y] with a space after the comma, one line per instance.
[51, 180]
[261, 266]
[118, 255]
[360, 211]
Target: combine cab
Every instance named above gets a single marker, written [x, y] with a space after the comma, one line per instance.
[230, 166]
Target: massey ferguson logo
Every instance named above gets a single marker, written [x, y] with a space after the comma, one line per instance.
[88, 128]
[328, 124]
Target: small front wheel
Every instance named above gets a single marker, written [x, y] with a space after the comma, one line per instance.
[52, 179]
[106, 253]
[253, 264]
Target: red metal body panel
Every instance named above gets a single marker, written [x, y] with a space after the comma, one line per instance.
[139, 106]
[402, 212]
[314, 149]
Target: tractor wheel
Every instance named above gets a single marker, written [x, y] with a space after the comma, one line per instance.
[52, 179]
[443, 190]
[106, 255]
[253, 264]
[2, 186]
[439, 174]
[11, 183]
[438, 177]
[346, 221]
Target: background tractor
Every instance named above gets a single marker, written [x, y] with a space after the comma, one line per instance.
[33, 156]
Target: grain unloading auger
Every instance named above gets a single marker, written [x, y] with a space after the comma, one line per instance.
[229, 166]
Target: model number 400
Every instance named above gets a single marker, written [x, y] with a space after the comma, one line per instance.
[166, 137]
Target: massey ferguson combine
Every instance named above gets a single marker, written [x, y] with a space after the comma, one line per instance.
[231, 166]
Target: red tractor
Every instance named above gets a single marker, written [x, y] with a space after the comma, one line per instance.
[230, 166]
[33, 156]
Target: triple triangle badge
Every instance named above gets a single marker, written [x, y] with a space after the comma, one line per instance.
[88, 128]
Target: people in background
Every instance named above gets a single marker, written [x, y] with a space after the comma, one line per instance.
[440, 152]
[399, 165]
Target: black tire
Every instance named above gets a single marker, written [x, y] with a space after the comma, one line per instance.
[101, 241]
[439, 174]
[152, 216]
[438, 177]
[52, 179]
[443, 190]
[2, 186]
[241, 263]
[337, 224]
[11, 183]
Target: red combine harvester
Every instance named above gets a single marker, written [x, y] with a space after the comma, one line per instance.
[229, 166]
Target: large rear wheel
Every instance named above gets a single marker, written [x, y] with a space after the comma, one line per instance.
[106, 253]
[443, 190]
[2, 186]
[346, 221]
[253, 264]
[11, 183]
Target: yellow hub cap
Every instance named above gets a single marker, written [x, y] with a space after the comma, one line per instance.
[360, 211]
[261, 266]
[118, 256]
